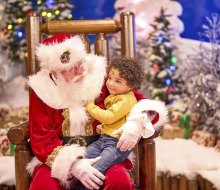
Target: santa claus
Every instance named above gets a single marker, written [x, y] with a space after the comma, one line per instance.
[68, 78]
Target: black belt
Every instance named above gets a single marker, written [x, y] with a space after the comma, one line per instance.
[80, 140]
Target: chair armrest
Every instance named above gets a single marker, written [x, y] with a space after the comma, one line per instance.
[156, 133]
[19, 133]
[147, 162]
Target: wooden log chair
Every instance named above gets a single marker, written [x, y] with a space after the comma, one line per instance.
[145, 172]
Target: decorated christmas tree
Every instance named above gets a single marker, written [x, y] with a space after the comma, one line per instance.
[164, 81]
[14, 17]
[202, 77]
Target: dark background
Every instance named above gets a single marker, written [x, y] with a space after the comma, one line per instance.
[194, 12]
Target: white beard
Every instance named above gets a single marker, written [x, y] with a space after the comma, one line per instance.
[60, 94]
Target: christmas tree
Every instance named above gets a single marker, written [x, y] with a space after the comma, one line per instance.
[164, 81]
[14, 18]
[202, 77]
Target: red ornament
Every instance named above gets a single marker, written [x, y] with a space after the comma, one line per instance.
[5, 30]
[169, 90]
[155, 67]
[30, 12]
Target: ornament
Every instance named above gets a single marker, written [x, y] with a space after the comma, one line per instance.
[169, 90]
[65, 57]
[155, 67]
[30, 12]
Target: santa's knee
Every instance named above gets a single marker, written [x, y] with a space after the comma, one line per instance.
[117, 178]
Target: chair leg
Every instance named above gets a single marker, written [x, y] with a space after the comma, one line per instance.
[22, 158]
[147, 168]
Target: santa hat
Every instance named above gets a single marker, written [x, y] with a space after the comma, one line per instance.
[61, 52]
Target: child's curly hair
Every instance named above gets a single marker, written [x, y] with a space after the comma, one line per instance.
[129, 69]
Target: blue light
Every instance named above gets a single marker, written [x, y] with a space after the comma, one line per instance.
[20, 34]
[172, 68]
[168, 81]
[171, 103]
[49, 3]
[160, 38]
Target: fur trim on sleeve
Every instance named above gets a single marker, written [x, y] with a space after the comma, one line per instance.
[149, 106]
[61, 166]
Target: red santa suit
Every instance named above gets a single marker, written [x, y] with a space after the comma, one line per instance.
[56, 110]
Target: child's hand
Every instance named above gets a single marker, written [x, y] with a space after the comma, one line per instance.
[99, 129]
[84, 102]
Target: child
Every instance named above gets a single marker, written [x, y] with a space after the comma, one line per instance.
[124, 75]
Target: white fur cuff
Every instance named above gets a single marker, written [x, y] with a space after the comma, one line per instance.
[62, 163]
[152, 105]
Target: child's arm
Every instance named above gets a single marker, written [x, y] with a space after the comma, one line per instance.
[112, 114]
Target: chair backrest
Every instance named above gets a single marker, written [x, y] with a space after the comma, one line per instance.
[145, 169]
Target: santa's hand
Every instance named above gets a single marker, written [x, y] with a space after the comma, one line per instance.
[131, 132]
[88, 175]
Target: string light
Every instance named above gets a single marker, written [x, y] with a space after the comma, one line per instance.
[173, 59]
[160, 38]
[49, 3]
[69, 16]
[38, 2]
[168, 81]
[20, 34]
[19, 20]
[26, 54]
[49, 15]
[57, 12]
[10, 26]
[44, 13]
[172, 68]
[171, 103]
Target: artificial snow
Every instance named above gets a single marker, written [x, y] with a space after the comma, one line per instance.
[186, 157]
[7, 171]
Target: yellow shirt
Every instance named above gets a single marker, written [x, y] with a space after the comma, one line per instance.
[117, 109]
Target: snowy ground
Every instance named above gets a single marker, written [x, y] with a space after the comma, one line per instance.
[186, 157]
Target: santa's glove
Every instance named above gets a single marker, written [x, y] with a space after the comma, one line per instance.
[88, 175]
[130, 134]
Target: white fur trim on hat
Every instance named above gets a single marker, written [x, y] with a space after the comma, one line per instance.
[49, 56]
[66, 157]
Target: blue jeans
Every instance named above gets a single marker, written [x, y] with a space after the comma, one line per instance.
[105, 147]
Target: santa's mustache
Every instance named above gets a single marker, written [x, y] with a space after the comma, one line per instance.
[71, 75]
